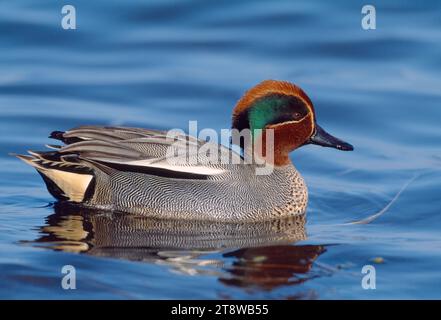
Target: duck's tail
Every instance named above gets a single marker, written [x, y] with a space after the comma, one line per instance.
[65, 179]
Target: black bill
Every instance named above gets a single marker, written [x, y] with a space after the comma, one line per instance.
[322, 138]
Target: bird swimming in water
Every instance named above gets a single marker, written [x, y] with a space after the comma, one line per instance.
[132, 170]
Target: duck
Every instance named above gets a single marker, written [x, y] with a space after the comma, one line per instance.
[148, 172]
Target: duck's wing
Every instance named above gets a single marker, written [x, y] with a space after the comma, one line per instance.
[150, 143]
[141, 150]
[70, 170]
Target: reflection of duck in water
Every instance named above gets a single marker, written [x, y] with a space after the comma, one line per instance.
[270, 267]
[146, 172]
[262, 252]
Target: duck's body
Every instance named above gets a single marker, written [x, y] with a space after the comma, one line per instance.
[124, 169]
[131, 170]
[238, 195]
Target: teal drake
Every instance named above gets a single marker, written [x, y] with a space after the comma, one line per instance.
[133, 170]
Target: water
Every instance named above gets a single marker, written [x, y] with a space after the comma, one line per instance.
[158, 64]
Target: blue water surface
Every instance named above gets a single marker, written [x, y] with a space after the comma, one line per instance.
[158, 64]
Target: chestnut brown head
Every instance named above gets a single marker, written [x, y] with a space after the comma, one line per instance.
[285, 108]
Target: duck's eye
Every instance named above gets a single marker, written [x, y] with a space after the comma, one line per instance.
[297, 115]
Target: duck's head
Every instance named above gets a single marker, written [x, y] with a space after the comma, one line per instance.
[285, 108]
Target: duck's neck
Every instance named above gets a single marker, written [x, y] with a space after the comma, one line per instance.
[269, 150]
